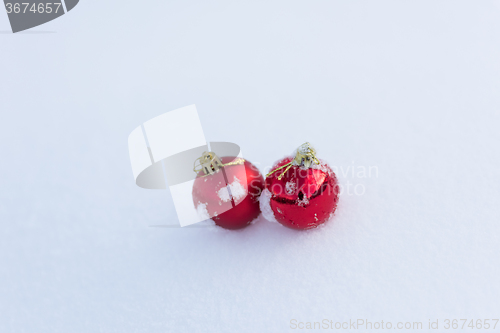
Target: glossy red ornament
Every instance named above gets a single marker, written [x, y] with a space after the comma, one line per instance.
[301, 197]
[231, 201]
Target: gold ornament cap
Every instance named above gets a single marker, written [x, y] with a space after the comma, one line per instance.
[305, 156]
[208, 162]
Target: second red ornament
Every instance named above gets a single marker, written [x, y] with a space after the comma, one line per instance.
[301, 191]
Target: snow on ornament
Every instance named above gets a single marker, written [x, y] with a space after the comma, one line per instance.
[301, 191]
[227, 190]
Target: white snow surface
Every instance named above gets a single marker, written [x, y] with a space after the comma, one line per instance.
[409, 89]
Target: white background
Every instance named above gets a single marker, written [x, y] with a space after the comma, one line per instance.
[411, 87]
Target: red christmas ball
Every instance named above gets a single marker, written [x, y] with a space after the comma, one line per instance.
[229, 196]
[302, 191]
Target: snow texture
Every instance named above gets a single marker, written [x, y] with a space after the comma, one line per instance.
[202, 211]
[265, 206]
[290, 187]
[235, 190]
[406, 91]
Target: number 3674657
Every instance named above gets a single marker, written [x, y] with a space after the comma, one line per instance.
[25, 7]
